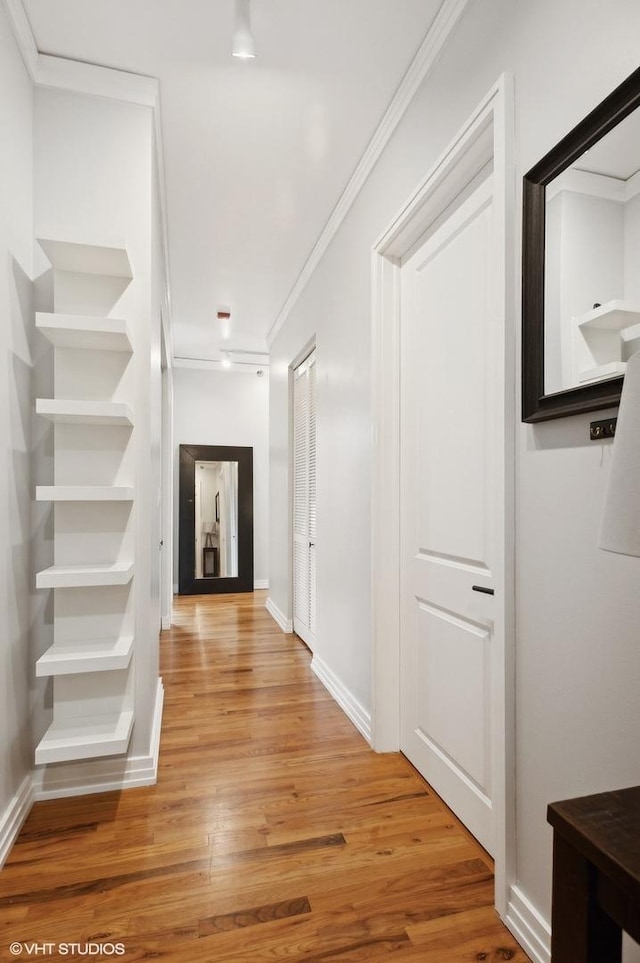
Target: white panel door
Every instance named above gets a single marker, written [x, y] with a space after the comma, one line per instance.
[451, 497]
[304, 500]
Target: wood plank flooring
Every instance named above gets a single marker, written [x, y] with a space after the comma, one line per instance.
[273, 834]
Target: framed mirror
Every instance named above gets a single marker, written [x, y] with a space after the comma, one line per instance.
[215, 528]
[581, 251]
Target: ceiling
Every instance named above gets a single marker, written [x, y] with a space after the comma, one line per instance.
[256, 153]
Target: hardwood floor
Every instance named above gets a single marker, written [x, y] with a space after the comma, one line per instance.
[273, 833]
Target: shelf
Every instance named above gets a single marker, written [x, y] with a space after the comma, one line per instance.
[99, 655]
[83, 493]
[77, 331]
[85, 738]
[82, 576]
[86, 258]
[611, 370]
[612, 316]
[84, 412]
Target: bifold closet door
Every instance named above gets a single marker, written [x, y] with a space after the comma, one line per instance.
[304, 500]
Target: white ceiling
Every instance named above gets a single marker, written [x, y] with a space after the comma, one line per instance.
[256, 153]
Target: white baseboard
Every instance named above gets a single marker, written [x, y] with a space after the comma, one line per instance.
[165, 623]
[528, 926]
[345, 699]
[14, 816]
[278, 616]
[103, 775]
[261, 583]
[175, 589]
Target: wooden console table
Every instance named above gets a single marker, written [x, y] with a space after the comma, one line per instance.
[596, 876]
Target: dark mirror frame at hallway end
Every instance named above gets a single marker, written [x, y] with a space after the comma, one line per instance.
[188, 584]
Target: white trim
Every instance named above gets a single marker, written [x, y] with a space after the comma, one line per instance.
[594, 185]
[14, 816]
[585, 182]
[156, 727]
[84, 78]
[260, 583]
[104, 775]
[528, 926]
[278, 616]
[437, 35]
[632, 186]
[165, 623]
[487, 136]
[236, 367]
[24, 35]
[345, 699]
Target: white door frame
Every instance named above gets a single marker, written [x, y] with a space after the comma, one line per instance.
[486, 138]
[166, 573]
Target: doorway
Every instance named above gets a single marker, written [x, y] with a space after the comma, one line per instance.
[304, 500]
[450, 496]
[478, 159]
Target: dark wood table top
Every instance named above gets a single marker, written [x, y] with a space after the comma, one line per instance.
[605, 828]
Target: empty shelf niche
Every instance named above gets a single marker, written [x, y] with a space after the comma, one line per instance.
[85, 332]
[79, 576]
[96, 655]
[86, 737]
[84, 493]
[70, 412]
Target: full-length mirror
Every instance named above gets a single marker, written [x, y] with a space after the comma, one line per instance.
[216, 519]
[581, 243]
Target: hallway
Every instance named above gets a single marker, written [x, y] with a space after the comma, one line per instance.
[274, 832]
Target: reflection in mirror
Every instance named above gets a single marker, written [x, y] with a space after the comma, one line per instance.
[216, 519]
[592, 259]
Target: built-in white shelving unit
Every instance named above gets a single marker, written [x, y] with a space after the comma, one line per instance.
[85, 737]
[81, 331]
[79, 576]
[84, 493]
[612, 316]
[605, 330]
[613, 369]
[96, 259]
[84, 412]
[98, 655]
[93, 498]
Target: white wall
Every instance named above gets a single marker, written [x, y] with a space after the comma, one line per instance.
[94, 182]
[226, 408]
[578, 609]
[16, 334]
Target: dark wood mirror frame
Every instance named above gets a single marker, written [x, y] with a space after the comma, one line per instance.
[536, 405]
[188, 584]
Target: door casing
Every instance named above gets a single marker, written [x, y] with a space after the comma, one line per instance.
[485, 139]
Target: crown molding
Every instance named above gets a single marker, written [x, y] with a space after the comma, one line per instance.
[430, 48]
[24, 35]
[236, 367]
[79, 77]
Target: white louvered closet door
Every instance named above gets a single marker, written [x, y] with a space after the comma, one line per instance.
[304, 501]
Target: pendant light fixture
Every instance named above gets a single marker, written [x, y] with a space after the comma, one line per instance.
[243, 45]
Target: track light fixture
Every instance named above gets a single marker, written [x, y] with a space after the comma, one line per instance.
[243, 45]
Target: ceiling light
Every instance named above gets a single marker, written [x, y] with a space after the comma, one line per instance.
[243, 45]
